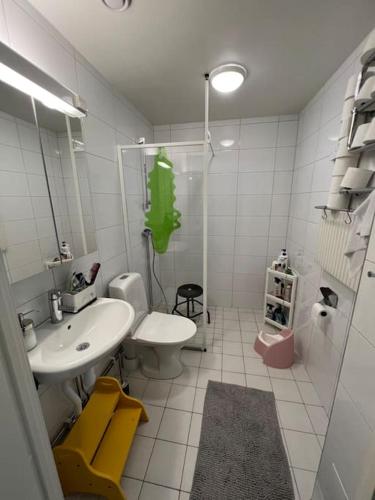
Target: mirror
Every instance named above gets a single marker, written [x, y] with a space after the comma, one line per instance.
[27, 236]
[64, 153]
[45, 199]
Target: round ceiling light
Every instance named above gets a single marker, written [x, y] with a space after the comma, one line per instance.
[117, 4]
[228, 77]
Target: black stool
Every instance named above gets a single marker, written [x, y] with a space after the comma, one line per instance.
[190, 292]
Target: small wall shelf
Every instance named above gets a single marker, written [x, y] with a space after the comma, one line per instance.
[357, 192]
[50, 264]
[324, 207]
[363, 149]
[287, 306]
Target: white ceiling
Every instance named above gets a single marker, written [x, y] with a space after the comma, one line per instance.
[157, 52]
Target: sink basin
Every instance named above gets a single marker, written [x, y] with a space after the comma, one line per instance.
[69, 349]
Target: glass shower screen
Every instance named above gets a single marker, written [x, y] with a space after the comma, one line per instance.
[162, 189]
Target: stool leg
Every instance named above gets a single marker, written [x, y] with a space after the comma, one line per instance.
[192, 305]
[188, 308]
[208, 317]
[175, 306]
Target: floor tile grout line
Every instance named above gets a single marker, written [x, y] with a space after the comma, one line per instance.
[153, 447]
[162, 485]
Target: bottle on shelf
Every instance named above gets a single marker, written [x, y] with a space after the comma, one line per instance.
[281, 263]
[65, 251]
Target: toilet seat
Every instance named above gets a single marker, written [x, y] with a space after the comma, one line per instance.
[164, 329]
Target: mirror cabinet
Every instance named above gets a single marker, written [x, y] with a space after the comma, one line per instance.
[46, 216]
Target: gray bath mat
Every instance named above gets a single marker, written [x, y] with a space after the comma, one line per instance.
[241, 453]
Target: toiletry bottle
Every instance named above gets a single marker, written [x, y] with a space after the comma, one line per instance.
[288, 293]
[27, 327]
[283, 260]
[29, 337]
[275, 265]
[65, 251]
[94, 272]
[277, 287]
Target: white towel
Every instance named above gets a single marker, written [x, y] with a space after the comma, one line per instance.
[360, 234]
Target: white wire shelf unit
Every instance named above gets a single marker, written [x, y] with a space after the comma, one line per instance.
[280, 297]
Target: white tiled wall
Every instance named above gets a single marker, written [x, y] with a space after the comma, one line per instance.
[348, 459]
[317, 140]
[249, 187]
[112, 120]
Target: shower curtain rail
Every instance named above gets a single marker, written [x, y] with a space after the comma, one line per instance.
[120, 147]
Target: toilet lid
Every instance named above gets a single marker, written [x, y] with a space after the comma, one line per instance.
[160, 328]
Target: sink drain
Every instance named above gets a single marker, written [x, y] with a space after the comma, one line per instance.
[83, 346]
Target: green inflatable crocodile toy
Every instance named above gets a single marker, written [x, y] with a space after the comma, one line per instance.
[162, 218]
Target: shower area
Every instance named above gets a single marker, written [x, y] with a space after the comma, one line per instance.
[164, 205]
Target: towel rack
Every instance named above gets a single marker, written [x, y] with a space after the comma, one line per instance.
[349, 192]
[348, 211]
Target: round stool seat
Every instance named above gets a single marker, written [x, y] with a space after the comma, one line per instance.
[189, 291]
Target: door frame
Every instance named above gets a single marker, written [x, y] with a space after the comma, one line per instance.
[17, 369]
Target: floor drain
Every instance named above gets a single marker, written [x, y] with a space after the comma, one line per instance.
[83, 346]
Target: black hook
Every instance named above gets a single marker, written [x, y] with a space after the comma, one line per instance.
[348, 218]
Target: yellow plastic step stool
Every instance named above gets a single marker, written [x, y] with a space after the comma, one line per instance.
[93, 455]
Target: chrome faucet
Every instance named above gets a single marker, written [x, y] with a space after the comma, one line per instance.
[54, 302]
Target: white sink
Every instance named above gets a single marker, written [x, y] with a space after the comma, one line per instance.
[71, 348]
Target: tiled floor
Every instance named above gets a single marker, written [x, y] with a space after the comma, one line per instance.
[162, 459]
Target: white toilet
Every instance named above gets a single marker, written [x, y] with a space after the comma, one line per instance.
[163, 333]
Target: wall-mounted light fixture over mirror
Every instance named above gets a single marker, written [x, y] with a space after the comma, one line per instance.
[44, 191]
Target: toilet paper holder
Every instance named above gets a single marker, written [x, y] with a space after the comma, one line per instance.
[330, 298]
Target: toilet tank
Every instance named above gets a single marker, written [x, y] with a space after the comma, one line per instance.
[130, 287]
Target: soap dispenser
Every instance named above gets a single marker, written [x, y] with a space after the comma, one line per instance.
[27, 325]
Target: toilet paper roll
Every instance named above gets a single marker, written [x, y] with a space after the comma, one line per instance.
[369, 49]
[347, 108]
[350, 88]
[342, 150]
[345, 127]
[360, 135]
[370, 134]
[342, 164]
[335, 185]
[338, 201]
[356, 178]
[320, 315]
[365, 92]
